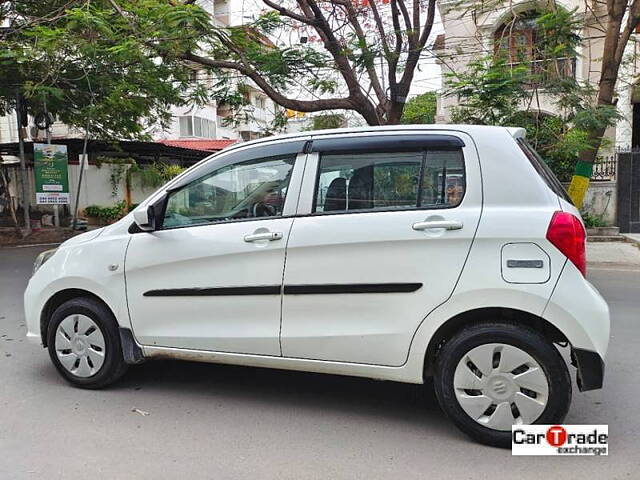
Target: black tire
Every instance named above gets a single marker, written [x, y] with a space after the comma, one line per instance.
[519, 336]
[114, 365]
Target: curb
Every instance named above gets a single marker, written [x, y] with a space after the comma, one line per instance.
[605, 238]
[29, 245]
[629, 239]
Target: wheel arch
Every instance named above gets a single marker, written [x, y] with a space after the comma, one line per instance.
[58, 299]
[456, 323]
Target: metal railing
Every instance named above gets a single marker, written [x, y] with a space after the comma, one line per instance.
[604, 169]
[548, 69]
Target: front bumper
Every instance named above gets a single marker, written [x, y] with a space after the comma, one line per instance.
[32, 309]
[590, 368]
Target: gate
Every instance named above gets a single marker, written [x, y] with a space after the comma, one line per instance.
[628, 198]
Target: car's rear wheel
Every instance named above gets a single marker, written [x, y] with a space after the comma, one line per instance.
[84, 343]
[491, 376]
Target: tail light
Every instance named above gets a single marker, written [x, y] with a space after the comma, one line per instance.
[567, 235]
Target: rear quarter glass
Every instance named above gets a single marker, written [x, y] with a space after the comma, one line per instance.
[543, 170]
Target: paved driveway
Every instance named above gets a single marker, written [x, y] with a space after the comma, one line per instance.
[221, 422]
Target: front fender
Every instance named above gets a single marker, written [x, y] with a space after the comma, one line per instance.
[95, 266]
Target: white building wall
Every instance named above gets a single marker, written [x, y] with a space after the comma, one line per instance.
[8, 128]
[96, 188]
[627, 79]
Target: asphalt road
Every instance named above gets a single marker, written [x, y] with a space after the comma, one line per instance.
[221, 422]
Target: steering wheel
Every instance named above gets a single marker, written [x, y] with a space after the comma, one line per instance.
[261, 209]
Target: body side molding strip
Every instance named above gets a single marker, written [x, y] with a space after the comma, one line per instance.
[323, 289]
[214, 291]
[351, 288]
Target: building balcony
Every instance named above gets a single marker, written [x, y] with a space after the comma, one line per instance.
[546, 70]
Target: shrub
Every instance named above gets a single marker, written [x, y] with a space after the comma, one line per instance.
[592, 221]
[156, 174]
[107, 214]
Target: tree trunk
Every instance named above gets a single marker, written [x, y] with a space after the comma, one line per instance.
[394, 113]
[612, 58]
[12, 210]
[584, 167]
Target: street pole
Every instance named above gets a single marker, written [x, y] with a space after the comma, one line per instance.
[83, 159]
[23, 168]
[56, 213]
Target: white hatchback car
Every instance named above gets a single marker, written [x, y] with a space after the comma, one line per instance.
[395, 253]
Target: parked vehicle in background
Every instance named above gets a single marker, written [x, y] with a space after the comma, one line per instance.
[395, 253]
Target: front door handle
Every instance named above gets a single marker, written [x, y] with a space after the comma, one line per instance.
[255, 237]
[446, 224]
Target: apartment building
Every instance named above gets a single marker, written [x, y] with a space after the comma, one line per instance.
[472, 31]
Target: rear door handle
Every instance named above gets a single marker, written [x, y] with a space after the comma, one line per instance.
[446, 224]
[255, 237]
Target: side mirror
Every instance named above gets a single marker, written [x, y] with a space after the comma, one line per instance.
[150, 219]
[142, 219]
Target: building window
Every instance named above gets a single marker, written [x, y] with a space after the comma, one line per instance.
[518, 41]
[193, 126]
[186, 126]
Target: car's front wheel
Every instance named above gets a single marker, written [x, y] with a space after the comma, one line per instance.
[84, 343]
[491, 376]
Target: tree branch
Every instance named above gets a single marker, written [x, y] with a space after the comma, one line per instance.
[633, 18]
[291, 14]
[331, 43]
[428, 25]
[380, 26]
[396, 28]
[118, 9]
[414, 54]
[416, 15]
[371, 70]
[411, 35]
[265, 86]
[391, 57]
[335, 48]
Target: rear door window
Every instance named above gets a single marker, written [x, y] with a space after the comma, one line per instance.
[443, 181]
[389, 181]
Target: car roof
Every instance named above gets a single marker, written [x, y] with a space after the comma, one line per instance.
[472, 130]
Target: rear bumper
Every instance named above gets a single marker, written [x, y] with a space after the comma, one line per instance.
[590, 368]
[578, 310]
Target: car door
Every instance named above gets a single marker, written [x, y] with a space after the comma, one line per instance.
[210, 278]
[385, 225]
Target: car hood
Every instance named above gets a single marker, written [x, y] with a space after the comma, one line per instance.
[83, 237]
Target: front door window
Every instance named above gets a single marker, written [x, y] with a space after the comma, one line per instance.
[252, 189]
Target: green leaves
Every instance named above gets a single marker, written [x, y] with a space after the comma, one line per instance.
[558, 33]
[492, 91]
[97, 66]
[268, 22]
[420, 109]
[119, 65]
